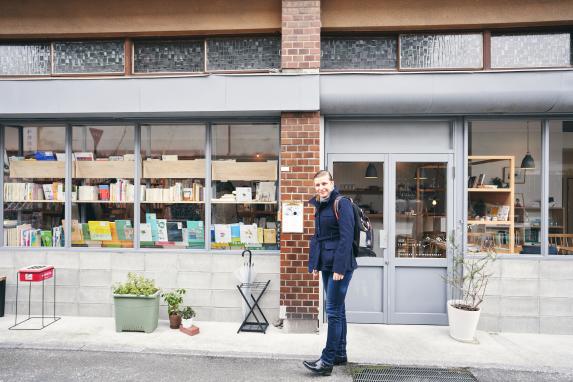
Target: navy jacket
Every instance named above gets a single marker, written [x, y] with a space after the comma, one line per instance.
[331, 245]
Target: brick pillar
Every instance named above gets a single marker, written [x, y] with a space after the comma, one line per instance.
[299, 290]
[300, 48]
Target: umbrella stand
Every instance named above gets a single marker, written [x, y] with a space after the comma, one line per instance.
[251, 292]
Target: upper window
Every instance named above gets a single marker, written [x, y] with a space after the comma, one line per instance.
[441, 51]
[22, 59]
[529, 50]
[168, 56]
[243, 53]
[89, 57]
[358, 53]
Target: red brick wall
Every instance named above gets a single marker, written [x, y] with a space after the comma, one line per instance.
[300, 34]
[300, 151]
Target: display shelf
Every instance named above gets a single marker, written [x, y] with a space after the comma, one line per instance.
[219, 201]
[489, 190]
[102, 201]
[104, 169]
[179, 169]
[172, 202]
[486, 222]
[33, 201]
[246, 171]
[37, 169]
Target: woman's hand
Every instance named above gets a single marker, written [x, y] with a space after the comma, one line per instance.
[314, 272]
[337, 276]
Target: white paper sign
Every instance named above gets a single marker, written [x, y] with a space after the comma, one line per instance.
[293, 217]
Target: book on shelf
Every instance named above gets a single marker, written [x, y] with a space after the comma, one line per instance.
[269, 236]
[124, 229]
[103, 192]
[115, 157]
[81, 156]
[235, 233]
[162, 230]
[88, 193]
[151, 219]
[195, 233]
[222, 233]
[145, 232]
[244, 194]
[266, 191]
[175, 231]
[169, 157]
[249, 234]
[99, 230]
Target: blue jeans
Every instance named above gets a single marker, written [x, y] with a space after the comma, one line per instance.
[335, 311]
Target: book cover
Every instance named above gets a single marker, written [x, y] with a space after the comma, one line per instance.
[113, 230]
[249, 233]
[222, 233]
[260, 235]
[151, 219]
[145, 233]
[174, 231]
[99, 230]
[121, 227]
[270, 235]
[85, 231]
[161, 230]
[235, 233]
[46, 237]
[244, 194]
[84, 156]
[195, 233]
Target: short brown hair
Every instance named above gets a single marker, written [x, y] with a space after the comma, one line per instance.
[323, 173]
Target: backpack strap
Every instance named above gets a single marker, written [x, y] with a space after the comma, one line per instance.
[335, 204]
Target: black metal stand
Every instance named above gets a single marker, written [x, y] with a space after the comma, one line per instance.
[30, 317]
[252, 293]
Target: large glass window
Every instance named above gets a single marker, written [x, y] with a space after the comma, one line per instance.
[504, 187]
[244, 188]
[34, 173]
[560, 198]
[103, 189]
[172, 186]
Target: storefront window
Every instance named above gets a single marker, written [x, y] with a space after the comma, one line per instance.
[34, 173]
[560, 199]
[504, 187]
[103, 189]
[244, 188]
[172, 186]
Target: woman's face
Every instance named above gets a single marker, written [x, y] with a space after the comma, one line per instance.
[323, 186]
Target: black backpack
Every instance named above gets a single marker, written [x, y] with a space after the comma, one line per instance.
[362, 227]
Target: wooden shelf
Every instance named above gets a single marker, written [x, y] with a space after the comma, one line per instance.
[490, 190]
[38, 169]
[248, 171]
[104, 169]
[33, 201]
[487, 222]
[179, 202]
[102, 201]
[178, 169]
[216, 201]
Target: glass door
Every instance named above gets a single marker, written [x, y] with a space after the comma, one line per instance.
[363, 178]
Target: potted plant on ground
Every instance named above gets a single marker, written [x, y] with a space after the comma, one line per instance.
[468, 280]
[187, 314]
[136, 304]
[174, 299]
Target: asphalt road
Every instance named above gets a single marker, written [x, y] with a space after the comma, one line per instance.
[24, 365]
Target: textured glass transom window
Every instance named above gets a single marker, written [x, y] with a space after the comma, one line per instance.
[169, 56]
[25, 59]
[530, 50]
[89, 57]
[358, 53]
[240, 53]
[441, 51]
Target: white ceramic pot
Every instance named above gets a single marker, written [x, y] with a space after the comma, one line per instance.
[187, 323]
[463, 323]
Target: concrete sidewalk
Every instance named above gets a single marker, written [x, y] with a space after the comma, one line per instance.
[379, 344]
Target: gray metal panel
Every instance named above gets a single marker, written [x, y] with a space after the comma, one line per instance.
[364, 299]
[420, 290]
[215, 95]
[447, 93]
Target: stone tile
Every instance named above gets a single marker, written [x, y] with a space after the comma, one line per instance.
[161, 261]
[195, 262]
[68, 277]
[519, 306]
[556, 325]
[198, 298]
[556, 307]
[22, 259]
[519, 287]
[556, 288]
[63, 260]
[557, 270]
[131, 261]
[225, 280]
[194, 280]
[489, 323]
[227, 262]
[226, 299]
[95, 310]
[491, 305]
[227, 315]
[95, 260]
[527, 269]
[6, 259]
[95, 278]
[95, 295]
[519, 324]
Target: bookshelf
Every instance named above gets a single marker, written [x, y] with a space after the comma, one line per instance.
[491, 222]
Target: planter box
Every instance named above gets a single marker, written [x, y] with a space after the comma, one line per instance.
[136, 313]
[463, 323]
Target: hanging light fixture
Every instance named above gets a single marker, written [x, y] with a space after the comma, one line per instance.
[371, 172]
[528, 162]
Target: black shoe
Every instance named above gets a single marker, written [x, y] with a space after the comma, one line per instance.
[319, 367]
[312, 363]
[340, 361]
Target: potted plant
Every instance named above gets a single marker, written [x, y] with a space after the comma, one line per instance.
[468, 280]
[187, 314]
[174, 299]
[136, 304]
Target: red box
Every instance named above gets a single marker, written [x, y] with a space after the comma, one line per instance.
[36, 273]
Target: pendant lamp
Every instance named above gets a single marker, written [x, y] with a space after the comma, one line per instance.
[371, 172]
[528, 162]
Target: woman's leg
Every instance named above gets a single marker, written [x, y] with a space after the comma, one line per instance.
[335, 295]
[341, 352]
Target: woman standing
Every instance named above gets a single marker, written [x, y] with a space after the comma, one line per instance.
[331, 253]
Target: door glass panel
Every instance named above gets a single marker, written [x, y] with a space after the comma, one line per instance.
[421, 209]
[364, 183]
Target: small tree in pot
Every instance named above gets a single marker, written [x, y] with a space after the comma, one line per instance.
[468, 280]
[187, 314]
[174, 299]
[136, 304]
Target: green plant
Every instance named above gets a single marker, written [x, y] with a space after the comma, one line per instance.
[136, 285]
[173, 300]
[187, 313]
[469, 275]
